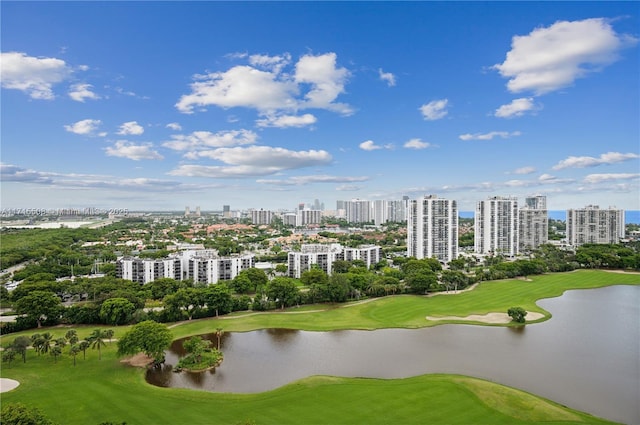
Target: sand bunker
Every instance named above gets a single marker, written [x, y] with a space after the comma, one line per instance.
[491, 318]
[7, 384]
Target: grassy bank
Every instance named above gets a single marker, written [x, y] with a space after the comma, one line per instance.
[107, 390]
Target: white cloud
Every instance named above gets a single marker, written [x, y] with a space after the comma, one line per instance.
[252, 161]
[434, 110]
[598, 178]
[589, 161]
[327, 82]
[131, 128]
[388, 77]
[304, 180]
[417, 144]
[32, 75]
[369, 145]
[284, 121]
[264, 86]
[524, 170]
[124, 149]
[199, 140]
[86, 127]
[489, 136]
[81, 91]
[174, 126]
[348, 188]
[548, 59]
[517, 108]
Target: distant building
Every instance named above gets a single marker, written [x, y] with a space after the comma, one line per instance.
[358, 211]
[226, 211]
[534, 223]
[594, 225]
[432, 228]
[259, 217]
[323, 256]
[496, 226]
[307, 216]
[203, 266]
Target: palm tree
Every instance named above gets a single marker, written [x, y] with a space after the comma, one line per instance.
[36, 342]
[219, 333]
[108, 334]
[56, 350]
[95, 339]
[45, 342]
[83, 345]
[71, 336]
[74, 350]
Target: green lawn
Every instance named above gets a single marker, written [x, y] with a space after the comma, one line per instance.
[106, 390]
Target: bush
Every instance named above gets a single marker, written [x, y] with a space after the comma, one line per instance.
[517, 314]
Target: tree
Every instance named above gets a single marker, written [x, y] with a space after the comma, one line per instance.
[117, 311]
[185, 299]
[39, 305]
[83, 345]
[71, 336]
[149, 337]
[20, 345]
[9, 355]
[517, 314]
[108, 334]
[218, 299]
[195, 346]
[56, 350]
[314, 276]
[281, 268]
[20, 414]
[44, 342]
[96, 341]
[256, 276]
[74, 351]
[283, 291]
[421, 281]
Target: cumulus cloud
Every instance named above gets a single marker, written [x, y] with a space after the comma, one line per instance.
[551, 58]
[81, 91]
[589, 161]
[199, 140]
[252, 161]
[489, 136]
[370, 145]
[284, 121]
[34, 76]
[517, 108]
[435, 109]
[174, 126]
[417, 144]
[86, 127]
[131, 128]
[388, 77]
[136, 152]
[598, 178]
[315, 82]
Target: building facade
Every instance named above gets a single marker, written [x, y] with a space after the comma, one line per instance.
[432, 228]
[260, 217]
[594, 225]
[534, 223]
[496, 227]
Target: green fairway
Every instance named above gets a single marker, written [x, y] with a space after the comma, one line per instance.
[95, 390]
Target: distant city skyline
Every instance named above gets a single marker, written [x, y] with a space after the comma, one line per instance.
[154, 106]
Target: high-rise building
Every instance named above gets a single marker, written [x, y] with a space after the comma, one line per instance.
[259, 217]
[496, 226]
[307, 216]
[380, 212]
[534, 223]
[226, 211]
[358, 211]
[432, 228]
[594, 225]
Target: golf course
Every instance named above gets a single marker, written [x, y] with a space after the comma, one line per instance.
[102, 390]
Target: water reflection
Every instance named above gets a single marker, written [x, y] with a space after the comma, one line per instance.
[587, 357]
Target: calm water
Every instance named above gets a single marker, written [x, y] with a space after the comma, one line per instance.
[586, 357]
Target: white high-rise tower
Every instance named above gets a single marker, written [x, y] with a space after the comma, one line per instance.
[496, 226]
[432, 228]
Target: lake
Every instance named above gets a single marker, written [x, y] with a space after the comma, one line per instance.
[587, 356]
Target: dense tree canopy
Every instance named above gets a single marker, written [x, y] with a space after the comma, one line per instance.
[149, 337]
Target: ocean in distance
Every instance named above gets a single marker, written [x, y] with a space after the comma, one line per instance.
[630, 216]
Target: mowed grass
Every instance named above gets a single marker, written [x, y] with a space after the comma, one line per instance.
[95, 390]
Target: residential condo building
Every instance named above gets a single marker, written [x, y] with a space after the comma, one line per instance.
[534, 223]
[496, 226]
[432, 228]
[594, 225]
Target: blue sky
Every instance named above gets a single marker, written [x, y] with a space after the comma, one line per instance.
[160, 105]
